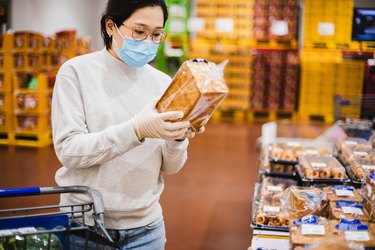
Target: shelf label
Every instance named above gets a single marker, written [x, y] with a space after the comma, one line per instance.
[343, 192]
[352, 210]
[318, 165]
[293, 144]
[357, 235]
[350, 142]
[368, 167]
[360, 153]
[309, 229]
[274, 188]
[271, 209]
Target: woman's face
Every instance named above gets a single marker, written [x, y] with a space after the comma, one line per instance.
[147, 18]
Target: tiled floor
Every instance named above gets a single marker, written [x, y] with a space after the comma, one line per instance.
[207, 205]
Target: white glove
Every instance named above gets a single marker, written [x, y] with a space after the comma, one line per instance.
[148, 123]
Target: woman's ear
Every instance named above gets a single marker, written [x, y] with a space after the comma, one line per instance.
[109, 26]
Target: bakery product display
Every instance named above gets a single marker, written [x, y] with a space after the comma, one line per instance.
[197, 90]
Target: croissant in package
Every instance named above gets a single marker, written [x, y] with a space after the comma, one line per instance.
[197, 90]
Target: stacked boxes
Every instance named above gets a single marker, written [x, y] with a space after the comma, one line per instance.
[275, 20]
[6, 65]
[324, 75]
[213, 13]
[328, 23]
[29, 62]
[275, 80]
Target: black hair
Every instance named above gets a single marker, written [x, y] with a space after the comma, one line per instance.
[120, 10]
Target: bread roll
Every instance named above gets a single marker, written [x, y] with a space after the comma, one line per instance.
[338, 173]
[325, 173]
[197, 90]
[261, 219]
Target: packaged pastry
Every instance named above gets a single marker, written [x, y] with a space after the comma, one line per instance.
[302, 201]
[347, 209]
[368, 187]
[350, 142]
[272, 189]
[308, 230]
[361, 167]
[354, 231]
[313, 151]
[197, 90]
[361, 151]
[321, 168]
[332, 243]
[268, 216]
[369, 207]
[284, 152]
[339, 192]
[276, 167]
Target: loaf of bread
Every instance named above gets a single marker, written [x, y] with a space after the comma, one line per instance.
[197, 90]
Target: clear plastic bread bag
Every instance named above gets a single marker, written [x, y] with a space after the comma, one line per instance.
[302, 201]
[197, 90]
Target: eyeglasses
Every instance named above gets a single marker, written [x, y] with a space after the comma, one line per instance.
[141, 33]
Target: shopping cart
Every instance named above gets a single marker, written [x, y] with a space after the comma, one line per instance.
[53, 226]
[354, 106]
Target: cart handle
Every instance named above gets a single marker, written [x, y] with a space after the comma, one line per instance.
[28, 191]
[93, 193]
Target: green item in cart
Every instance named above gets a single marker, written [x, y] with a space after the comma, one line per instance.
[41, 241]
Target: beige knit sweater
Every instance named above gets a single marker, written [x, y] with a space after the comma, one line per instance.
[94, 98]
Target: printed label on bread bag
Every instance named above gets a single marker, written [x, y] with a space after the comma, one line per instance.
[357, 235]
[360, 153]
[352, 210]
[271, 209]
[274, 188]
[344, 192]
[350, 142]
[318, 165]
[368, 167]
[309, 229]
[293, 144]
[311, 152]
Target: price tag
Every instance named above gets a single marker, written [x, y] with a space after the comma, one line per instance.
[311, 152]
[357, 235]
[350, 142]
[360, 153]
[293, 144]
[352, 210]
[271, 209]
[308, 229]
[368, 167]
[318, 165]
[343, 192]
[274, 188]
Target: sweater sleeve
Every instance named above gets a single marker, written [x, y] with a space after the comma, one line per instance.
[75, 146]
[174, 156]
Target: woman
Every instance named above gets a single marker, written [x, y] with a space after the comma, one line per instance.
[106, 131]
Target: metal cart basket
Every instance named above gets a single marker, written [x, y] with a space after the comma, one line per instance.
[54, 226]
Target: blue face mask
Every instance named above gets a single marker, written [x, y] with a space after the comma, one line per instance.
[136, 53]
